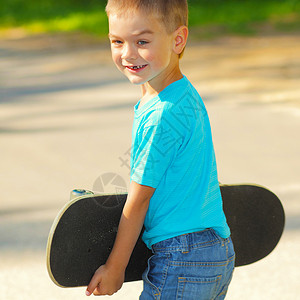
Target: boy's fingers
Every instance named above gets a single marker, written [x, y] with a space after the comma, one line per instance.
[97, 291]
[92, 285]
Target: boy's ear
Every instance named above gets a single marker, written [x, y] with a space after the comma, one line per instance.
[180, 39]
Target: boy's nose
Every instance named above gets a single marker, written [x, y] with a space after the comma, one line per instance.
[128, 52]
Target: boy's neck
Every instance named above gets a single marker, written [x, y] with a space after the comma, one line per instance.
[153, 87]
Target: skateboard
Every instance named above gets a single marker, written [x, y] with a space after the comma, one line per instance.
[83, 233]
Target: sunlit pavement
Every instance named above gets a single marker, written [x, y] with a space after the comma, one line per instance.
[65, 119]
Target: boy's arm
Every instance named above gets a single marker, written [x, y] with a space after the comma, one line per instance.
[109, 278]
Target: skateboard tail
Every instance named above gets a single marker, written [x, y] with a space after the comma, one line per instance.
[256, 218]
[49, 257]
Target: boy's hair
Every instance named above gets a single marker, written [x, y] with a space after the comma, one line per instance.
[172, 13]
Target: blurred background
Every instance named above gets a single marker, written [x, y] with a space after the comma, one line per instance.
[66, 114]
[207, 17]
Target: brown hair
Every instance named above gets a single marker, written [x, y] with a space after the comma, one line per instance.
[172, 13]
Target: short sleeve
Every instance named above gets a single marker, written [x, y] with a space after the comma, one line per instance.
[154, 153]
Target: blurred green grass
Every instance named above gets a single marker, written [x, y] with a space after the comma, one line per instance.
[208, 16]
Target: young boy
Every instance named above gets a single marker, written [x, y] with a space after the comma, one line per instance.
[174, 188]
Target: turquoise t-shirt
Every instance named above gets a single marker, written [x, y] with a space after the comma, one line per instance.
[172, 151]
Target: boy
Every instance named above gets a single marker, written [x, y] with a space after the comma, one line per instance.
[174, 187]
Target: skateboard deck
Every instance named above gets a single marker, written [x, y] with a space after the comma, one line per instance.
[83, 233]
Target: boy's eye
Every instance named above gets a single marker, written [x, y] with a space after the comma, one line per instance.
[142, 43]
[116, 42]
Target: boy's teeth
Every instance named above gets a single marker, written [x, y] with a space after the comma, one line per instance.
[137, 67]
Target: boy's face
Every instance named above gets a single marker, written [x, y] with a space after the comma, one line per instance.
[141, 47]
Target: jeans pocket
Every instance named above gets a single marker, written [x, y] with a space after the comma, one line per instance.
[154, 276]
[195, 287]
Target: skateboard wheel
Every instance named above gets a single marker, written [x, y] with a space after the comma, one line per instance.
[79, 192]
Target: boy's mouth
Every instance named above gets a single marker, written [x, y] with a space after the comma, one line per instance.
[136, 68]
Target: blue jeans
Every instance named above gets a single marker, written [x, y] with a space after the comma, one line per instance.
[192, 266]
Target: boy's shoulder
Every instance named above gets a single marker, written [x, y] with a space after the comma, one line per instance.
[178, 106]
[182, 99]
[179, 93]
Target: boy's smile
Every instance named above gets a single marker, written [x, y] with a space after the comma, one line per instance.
[143, 50]
[136, 69]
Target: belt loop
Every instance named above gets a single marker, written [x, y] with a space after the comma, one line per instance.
[184, 244]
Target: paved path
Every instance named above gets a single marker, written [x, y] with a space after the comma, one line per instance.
[65, 119]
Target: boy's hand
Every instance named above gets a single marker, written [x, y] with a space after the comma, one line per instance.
[106, 281]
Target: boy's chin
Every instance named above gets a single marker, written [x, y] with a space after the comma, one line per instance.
[136, 81]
